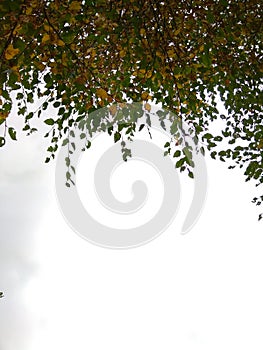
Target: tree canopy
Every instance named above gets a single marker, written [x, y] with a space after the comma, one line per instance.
[190, 56]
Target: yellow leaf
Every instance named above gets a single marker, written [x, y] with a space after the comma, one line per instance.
[64, 59]
[29, 10]
[147, 106]
[3, 115]
[11, 52]
[46, 27]
[40, 65]
[142, 31]
[46, 37]
[122, 53]
[145, 95]
[171, 53]
[75, 6]
[149, 74]
[91, 51]
[102, 93]
[113, 109]
[15, 69]
[54, 70]
[177, 31]
[60, 42]
[122, 105]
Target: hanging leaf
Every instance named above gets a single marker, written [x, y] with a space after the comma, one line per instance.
[12, 133]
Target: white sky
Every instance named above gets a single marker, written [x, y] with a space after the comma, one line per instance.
[202, 290]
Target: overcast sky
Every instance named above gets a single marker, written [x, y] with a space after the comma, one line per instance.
[202, 290]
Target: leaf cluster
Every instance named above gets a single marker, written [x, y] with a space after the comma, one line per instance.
[74, 57]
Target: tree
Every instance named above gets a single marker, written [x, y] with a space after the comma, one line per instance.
[78, 56]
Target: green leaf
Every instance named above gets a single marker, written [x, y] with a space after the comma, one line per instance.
[67, 160]
[117, 136]
[49, 121]
[12, 133]
[65, 142]
[2, 141]
[73, 169]
[191, 174]
[208, 136]
[177, 153]
[187, 152]
[180, 162]
[56, 104]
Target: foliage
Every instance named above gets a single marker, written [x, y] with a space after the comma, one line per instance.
[78, 56]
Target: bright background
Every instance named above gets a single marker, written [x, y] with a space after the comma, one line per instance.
[202, 290]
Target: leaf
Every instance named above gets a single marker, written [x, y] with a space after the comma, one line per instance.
[2, 141]
[75, 6]
[73, 169]
[65, 142]
[11, 52]
[177, 153]
[49, 121]
[142, 32]
[88, 145]
[187, 153]
[117, 136]
[145, 95]
[191, 174]
[102, 93]
[113, 109]
[60, 43]
[67, 160]
[147, 106]
[46, 38]
[56, 104]
[122, 53]
[180, 162]
[3, 116]
[208, 136]
[12, 133]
